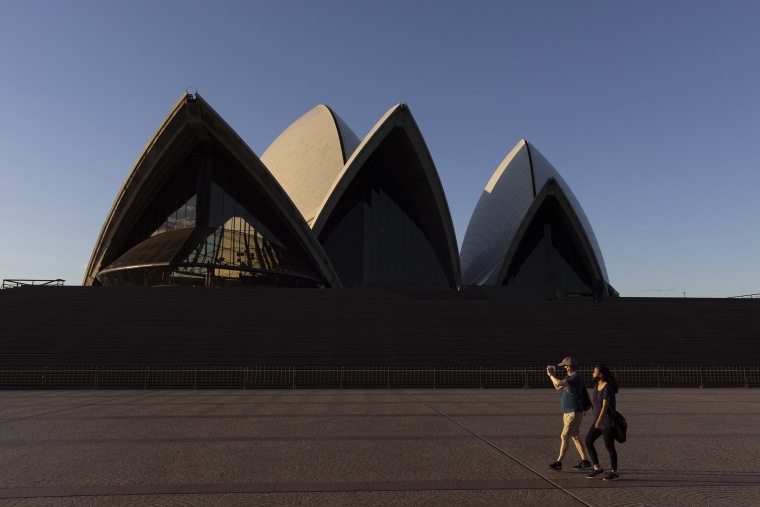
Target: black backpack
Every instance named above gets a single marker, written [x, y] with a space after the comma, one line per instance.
[585, 399]
[620, 426]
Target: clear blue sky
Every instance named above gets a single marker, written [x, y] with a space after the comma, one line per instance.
[650, 110]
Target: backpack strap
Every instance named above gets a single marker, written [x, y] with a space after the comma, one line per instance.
[578, 401]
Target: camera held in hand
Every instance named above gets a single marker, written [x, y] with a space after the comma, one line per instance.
[550, 368]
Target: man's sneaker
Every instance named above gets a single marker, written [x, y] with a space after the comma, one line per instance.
[611, 476]
[594, 473]
[583, 464]
[557, 465]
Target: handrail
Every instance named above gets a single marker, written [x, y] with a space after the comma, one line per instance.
[12, 284]
[347, 376]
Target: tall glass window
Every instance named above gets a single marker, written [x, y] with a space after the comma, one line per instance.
[181, 218]
[234, 236]
[173, 206]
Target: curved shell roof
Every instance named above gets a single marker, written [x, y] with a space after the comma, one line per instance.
[306, 171]
[503, 207]
[192, 120]
[397, 117]
[309, 155]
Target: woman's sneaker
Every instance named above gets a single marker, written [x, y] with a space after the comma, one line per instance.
[594, 473]
[583, 464]
[611, 476]
[557, 465]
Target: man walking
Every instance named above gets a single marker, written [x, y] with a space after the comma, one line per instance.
[572, 406]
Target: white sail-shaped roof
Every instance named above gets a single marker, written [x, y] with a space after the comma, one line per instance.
[308, 156]
[502, 210]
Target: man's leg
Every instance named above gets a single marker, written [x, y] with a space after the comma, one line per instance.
[562, 448]
[566, 430]
[579, 445]
[567, 420]
[575, 430]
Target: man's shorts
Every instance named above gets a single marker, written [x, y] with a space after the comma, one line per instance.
[572, 424]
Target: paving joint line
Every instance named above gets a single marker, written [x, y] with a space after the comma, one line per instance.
[499, 449]
[718, 400]
[141, 393]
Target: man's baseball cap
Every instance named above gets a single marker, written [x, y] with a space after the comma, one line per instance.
[569, 361]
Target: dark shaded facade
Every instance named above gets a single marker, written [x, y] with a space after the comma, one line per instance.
[548, 255]
[385, 227]
[182, 327]
[548, 251]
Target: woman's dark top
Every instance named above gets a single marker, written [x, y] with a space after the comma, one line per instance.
[596, 398]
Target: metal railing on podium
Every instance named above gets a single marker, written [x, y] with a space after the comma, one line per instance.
[15, 283]
[345, 377]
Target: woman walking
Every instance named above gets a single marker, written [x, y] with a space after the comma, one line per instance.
[603, 398]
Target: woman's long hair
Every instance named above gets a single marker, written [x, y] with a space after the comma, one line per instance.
[608, 376]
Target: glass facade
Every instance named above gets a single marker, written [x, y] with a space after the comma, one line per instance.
[181, 218]
[380, 232]
[209, 226]
[173, 206]
[549, 254]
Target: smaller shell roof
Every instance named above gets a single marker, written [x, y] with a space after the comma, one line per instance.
[308, 156]
[496, 218]
[501, 209]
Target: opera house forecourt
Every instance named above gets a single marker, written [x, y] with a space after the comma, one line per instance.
[332, 260]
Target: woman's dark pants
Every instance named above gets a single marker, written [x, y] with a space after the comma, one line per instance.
[609, 443]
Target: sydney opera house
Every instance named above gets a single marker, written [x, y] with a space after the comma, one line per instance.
[322, 208]
[332, 261]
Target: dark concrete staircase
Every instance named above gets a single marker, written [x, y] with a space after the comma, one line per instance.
[233, 326]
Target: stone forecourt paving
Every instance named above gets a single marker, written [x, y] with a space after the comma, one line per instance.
[368, 447]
